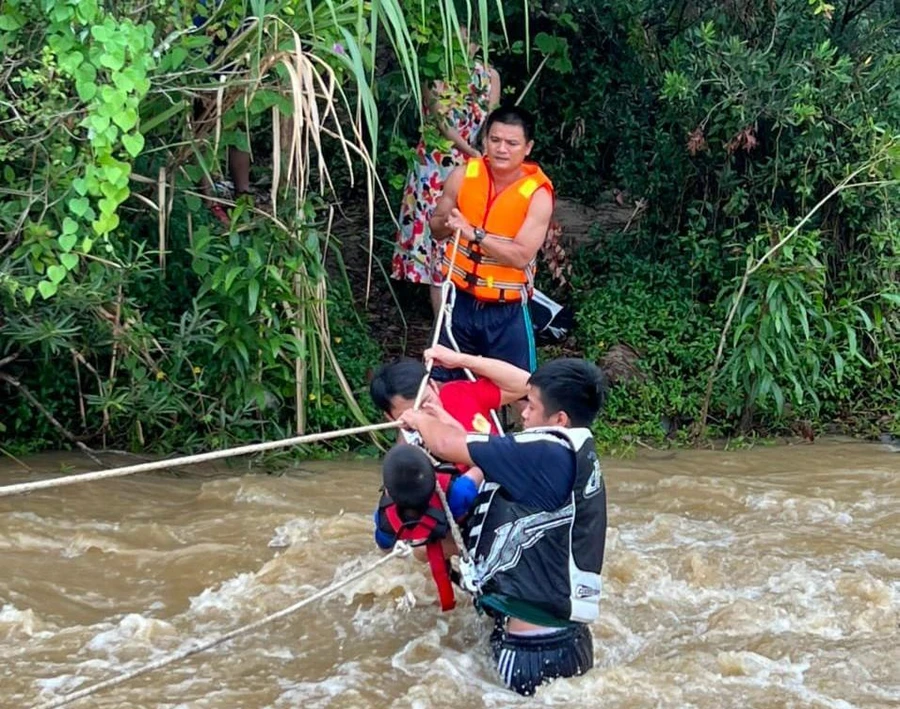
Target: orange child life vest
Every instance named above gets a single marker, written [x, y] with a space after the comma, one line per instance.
[499, 214]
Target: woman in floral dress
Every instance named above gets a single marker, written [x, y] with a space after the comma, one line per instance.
[460, 112]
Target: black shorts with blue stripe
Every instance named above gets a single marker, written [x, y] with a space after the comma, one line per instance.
[527, 661]
[496, 330]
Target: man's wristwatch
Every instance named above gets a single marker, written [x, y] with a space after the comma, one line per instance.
[478, 235]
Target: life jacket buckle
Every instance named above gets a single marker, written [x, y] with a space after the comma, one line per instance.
[467, 577]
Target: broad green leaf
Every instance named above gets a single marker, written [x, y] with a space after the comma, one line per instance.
[102, 33]
[113, 59]
[47, 289]
[67, 241]
[126, 120]
[233, 273]
[78, 206]
[851, 339]
[87, 11]
[86, 90]
[70, 261]
[252, 296]
[839, 365]
[70, 62]
[107, 206]
[133, 143]
[56, 273]
[105, 224]
[10, 22]
[123, 81]
[98, 123]
[804, 321]
[80, 185]
[779, 397]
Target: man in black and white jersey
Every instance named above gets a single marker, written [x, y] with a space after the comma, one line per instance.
[538, 528]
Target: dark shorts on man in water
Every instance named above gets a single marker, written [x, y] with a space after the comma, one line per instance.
[527, 661]
[497, 330]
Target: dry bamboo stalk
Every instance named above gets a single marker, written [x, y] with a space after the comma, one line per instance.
[161, 210]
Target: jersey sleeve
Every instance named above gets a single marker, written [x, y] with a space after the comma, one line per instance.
[532, 469]
[383, 539]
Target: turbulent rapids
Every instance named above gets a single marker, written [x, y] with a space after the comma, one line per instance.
[762, 578]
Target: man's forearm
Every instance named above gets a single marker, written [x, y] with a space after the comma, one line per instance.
[511, 380]
[507, 251]
[445, 442]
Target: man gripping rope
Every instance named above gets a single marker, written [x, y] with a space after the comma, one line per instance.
[538, 527]
[501, 205]
[410, 509]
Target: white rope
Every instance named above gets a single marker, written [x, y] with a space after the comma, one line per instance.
[454, 528]
[22, 488]
[446, 289]
[400, 549]
[444, 322]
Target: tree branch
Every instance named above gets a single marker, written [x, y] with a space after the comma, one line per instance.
[23, 390]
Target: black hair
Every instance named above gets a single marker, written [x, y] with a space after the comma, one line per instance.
[575, 386]
[511, 116]
[408, 477]
[401, 377]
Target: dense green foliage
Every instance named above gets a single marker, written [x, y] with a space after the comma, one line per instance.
[725, 125]
[757, 143]
[130, 316]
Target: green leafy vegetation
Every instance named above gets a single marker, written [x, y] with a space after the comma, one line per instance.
[759, 145]
[131, 316]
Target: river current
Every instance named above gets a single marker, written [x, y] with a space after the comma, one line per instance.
[755, 578]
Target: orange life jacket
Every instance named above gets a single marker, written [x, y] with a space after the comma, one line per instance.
[499, 214]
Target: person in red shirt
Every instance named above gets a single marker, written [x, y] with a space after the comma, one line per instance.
[458, 403]
[497, 383]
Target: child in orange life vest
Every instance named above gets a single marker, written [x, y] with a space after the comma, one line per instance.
[410, 509]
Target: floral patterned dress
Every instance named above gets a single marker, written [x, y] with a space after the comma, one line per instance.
[417, 258]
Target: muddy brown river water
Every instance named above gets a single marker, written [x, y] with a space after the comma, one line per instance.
[756, 578]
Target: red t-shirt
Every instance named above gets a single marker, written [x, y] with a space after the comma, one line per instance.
[470, 403]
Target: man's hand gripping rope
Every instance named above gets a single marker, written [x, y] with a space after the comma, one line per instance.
[444, 320]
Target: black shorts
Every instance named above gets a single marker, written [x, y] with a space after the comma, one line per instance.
[527, 661]
[496, 330]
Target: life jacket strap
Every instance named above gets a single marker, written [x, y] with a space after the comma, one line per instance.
[441, 576]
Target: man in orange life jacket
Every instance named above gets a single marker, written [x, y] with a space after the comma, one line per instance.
[502, 207]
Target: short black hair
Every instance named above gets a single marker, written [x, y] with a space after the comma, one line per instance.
[575, 386]
[401, 377]
[512, 116]
[408, 477]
